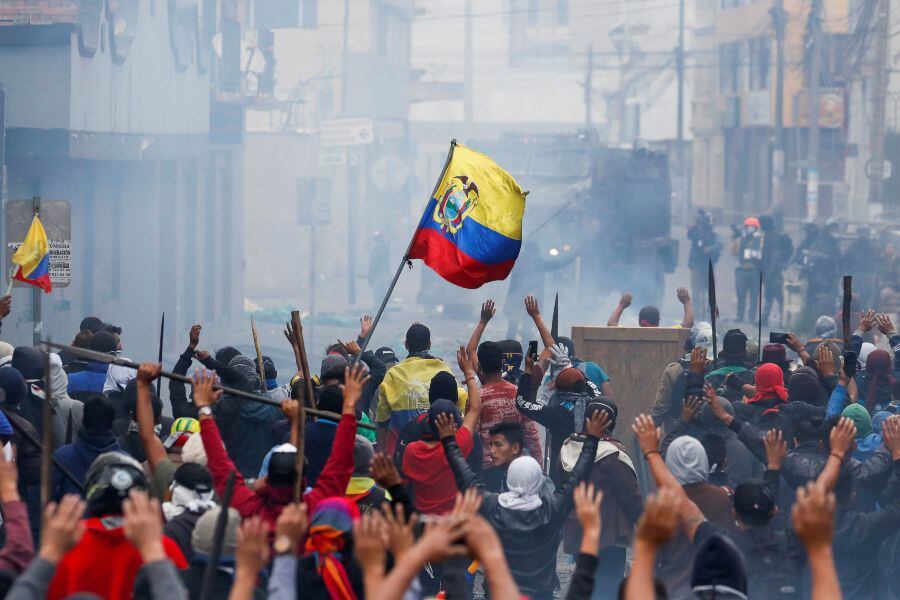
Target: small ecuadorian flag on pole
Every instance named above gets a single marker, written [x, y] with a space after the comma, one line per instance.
[33, 257]
[471, 231]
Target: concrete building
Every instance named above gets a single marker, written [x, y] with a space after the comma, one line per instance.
[126, 111]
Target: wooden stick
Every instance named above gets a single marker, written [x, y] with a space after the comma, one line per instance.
[11, 417]
[304, 362]
[47, 435]
[123, 362]
[259, 359]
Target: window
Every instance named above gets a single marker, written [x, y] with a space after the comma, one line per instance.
[760, 61]
[728, 67]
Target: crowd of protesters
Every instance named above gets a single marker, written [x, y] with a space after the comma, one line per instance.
[772, 478]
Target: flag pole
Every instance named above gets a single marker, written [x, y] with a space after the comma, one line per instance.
[162, 331]
[404, 261]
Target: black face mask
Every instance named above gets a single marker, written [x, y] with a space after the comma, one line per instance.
[282, 469]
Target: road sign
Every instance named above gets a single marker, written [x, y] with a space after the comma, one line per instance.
[886, 169]
[346, 132]
[56, 216]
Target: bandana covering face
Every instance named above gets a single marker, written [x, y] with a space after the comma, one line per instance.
[523, 480]
[331, 524]
[769, 383]
[186, 499]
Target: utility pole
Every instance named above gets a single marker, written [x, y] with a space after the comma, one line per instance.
[589, 88]
[679, 148]
[352, 185]
[468, 68]
[815, 65]
[880, 84]
[779, 21]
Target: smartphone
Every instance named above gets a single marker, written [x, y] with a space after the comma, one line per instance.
[778, 338]
[532, 348]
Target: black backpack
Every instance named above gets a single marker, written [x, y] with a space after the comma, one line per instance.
[775, 568]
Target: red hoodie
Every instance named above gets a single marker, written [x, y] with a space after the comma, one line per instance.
[104, 563]
[268, 501]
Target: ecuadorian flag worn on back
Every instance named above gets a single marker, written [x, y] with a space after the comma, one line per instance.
[33, 257]
[471, 231]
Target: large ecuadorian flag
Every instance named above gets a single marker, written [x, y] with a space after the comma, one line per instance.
[33, 257]
[471, 231]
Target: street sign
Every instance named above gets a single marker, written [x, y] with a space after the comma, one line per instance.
[346, 132]
[886, 169]
[332, 158]
[56, 216]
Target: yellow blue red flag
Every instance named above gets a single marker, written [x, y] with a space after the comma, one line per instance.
[471, 231]
[33, 257]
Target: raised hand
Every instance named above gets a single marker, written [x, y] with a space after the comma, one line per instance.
[824, 361]
[625, 300]
[560, 356]
[684, 296]
[204, 394]
[398, 529]
[143, 526]
[891, 435]
[253, 545]
[148, 372]
[648, 434]
[487, 311]
[884, 324]
[690, 408]
[587, 507]
[531, 307]
[776, 449]
[369, 545]
[5, 306]
[813, 516]
[841, 437]
[384, 472]
[355, 379]
[365, 326]
[292, 523]
[446, 425]
[351, 347]
[464, 362]
[62, 527]
[698, 360]
[660, 519]
[598, 424]
[291, 409]
[712, 401]
[194, 335]
[866, 320]
[793, 342]
[467, 504]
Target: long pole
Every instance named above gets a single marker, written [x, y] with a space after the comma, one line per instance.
[36, 292]
[404, 260]
[468, 71]
[812, 159]
[679, 146]
[124, 362]
[29, 437]
[713, 309]
[309, 399]
[212, 564]
[759, 322]
[47, 437]
[259, 357]
[162, 333]
[779, 20]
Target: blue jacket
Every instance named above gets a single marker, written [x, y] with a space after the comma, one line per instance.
[90, 380]
[78, 456]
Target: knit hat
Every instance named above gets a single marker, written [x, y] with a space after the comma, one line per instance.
[734, 343]
[194, 477]
[442, 386]
[753, 502]
[205, 531]
[268, 366]
[804, 385]
[363, 453]
[826, 327]
[333, 366]
[774, 353]
[13, 385]
[29, 362]
[193, 451]
[719, 567]
[439, 407]
[860, 417]
[248, 371]
[104, 342]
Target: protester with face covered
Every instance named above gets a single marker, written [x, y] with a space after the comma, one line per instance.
[189, 497]
[92, 379]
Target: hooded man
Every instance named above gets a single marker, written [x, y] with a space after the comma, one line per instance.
[867, 441]
[70, 411]
[104, 562]
[730, 372]
[92, 379]
[30, 362]
[719, 570]
[687, 461]
[94, 438]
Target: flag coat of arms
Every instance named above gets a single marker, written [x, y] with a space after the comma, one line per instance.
[33, 257]
[471, 231]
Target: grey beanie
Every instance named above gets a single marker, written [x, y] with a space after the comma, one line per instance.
[363, 453]
[205, 530]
